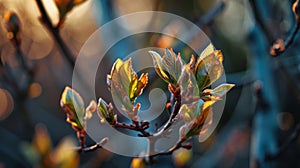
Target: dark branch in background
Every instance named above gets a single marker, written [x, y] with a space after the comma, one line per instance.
[211, 15]
[293, 137]
[54, 30]
[203, 21]
[261, 22]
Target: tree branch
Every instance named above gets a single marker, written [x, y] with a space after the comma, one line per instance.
[261, 23]
[178, 145]
[98, 145]
[137, 126]
[54, 31]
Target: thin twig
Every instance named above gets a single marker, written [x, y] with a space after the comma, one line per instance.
[178, 145]
[174, 113]
[98, 145]
[88, 149]
[54, 30]
[138, 126]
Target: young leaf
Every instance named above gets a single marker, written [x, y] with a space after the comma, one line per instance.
[199, 124]
[208, 67]
[218, 92]
[163, 73]
[168, 67]
[190, 111]
[188, 86]
[105, 112]
[90, 110]
[125, 86]
[73, 105]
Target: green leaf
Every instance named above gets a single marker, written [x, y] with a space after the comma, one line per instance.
[163, 73]
[168, 67]
[218, 92]
[198, 117]
[188, 86]
[105, 112]
[190, 111]
[208, 67]
[73, 105]
[125, 86]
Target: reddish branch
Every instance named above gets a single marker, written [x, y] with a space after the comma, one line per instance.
[136, 126]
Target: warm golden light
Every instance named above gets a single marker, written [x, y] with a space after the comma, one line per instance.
[35, 90]
[51, 10]
[6, 105]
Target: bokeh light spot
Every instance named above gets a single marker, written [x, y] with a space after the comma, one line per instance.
[6, 105]
[35, 90]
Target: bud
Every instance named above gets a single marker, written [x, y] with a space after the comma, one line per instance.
[13, 27]
[105, 112]
[90, 110]
[73, 105]
[168, 66]
[277, 48]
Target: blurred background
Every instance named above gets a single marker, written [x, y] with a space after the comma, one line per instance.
[259, 126]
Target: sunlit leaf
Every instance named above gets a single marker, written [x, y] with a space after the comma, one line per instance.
[163, 73]
[168, 67]
[190, 111]
[105, 112]
[208, 67]
[125, 86]
[73, 105]
[137, 86]
[201, 122]
[218, 92]
[188, 86]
